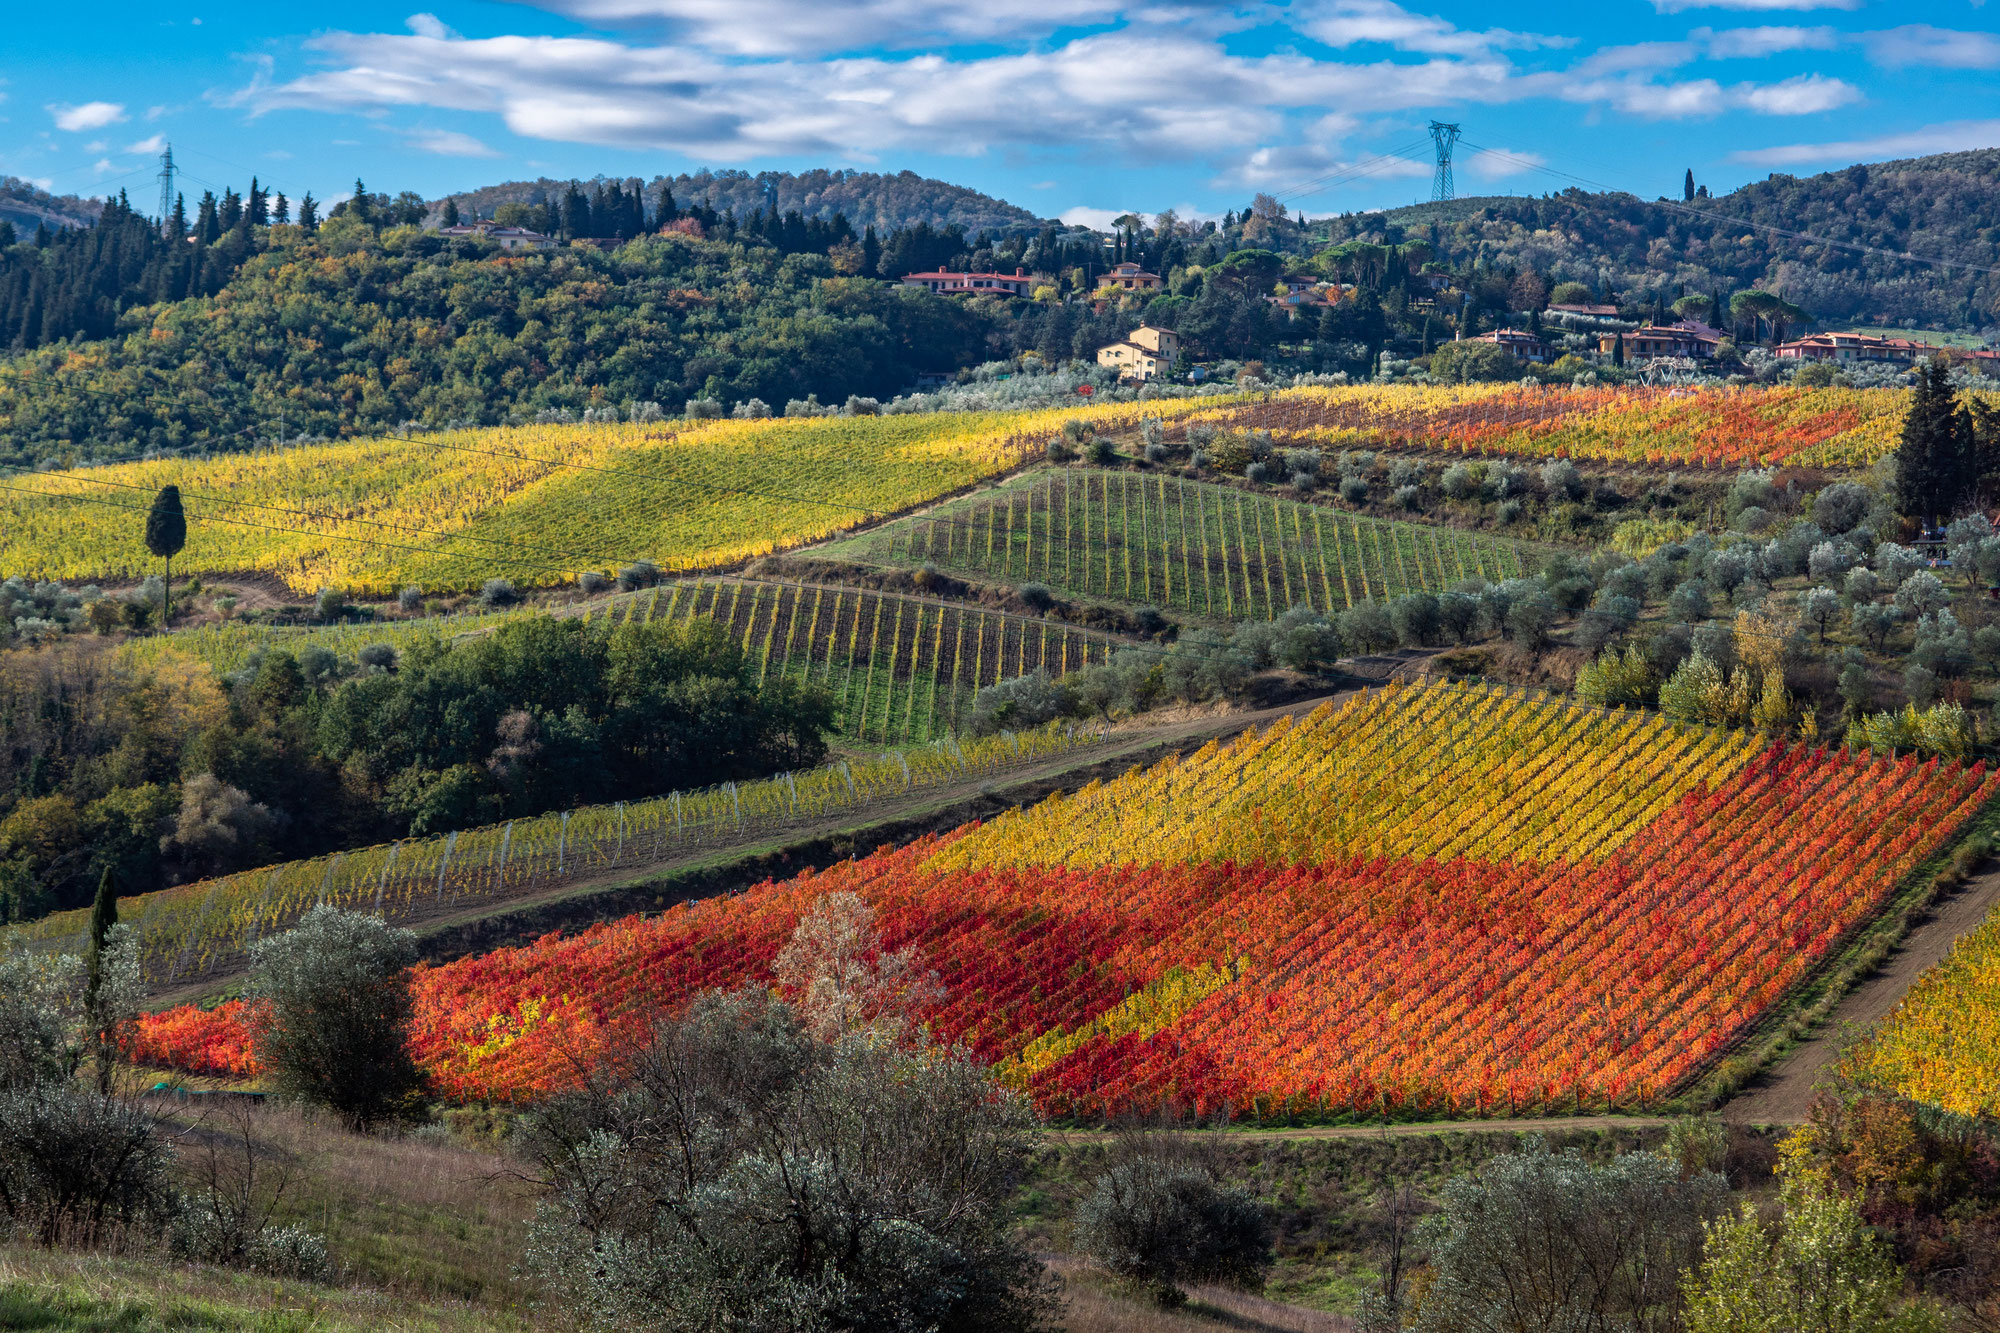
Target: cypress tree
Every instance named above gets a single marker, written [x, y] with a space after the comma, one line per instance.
[450, 218]
[1687, 186]
[103, 916]
[166, 534]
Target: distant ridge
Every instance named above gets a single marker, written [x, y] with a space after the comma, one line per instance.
[868, 198]
[28, 206]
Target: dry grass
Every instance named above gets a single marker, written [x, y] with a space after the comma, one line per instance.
[432, 1219]
[63, 1292]
[1099, 1304]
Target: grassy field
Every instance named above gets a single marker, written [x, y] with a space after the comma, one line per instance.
[1206, 550]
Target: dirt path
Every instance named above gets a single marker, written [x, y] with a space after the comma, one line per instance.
[1784, 1093]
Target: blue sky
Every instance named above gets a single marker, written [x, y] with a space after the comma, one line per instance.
[1078, 108]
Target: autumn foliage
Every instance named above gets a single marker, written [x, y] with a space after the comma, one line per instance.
[1440, 899]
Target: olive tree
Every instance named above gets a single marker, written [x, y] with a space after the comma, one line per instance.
[1159, 1217]
[738, 1173]
[332, 999]
[1547, 1241]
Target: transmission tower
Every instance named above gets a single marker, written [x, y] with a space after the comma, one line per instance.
[1446, 138]
[166, 186]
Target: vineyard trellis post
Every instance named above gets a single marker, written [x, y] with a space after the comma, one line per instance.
[444, 862]
[562, 841]
[389, 865]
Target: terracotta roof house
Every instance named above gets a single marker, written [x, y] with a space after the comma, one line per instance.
[1600, 311]
[1689, 338]
[1132, 278]
[1846, 347]
[1525, 346]
[1018, 283]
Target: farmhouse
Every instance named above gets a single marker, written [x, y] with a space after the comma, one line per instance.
[1847, 347]
[1689, 338]
[1142, 354]
[1525, 346]
[946, 283]
[507, 238]
[1132, 278]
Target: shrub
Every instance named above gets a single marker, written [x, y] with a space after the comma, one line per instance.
[1353, 490]
[497, 592]
[1156, 453]
[857, 406]
[379, 657]
[843, 1184]
[1023, 701]
[1305, 482]
[333, 997]
[1546, 1240]
[330, 606]
[1102, 452]
[410, 600]
[702, 409]
[1560, 478]
[1458, 483]
[591, 582]
[1509, 513]
[1407, 497]
[1160, 1219]
[1262, 473]
[638, 574]
[1036, 595]
[1841, 507]
[77, 1167]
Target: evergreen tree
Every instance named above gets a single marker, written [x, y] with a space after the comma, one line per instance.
[1687, 186]
[166, 534]
[1934, 465]
[281, 210]
[232, 209]
[258, 206]
[207, 226]
[103, 916]
[358, 205]
[308, 213]
[7, 236]
[1618, 351]
[450, 217]
[668, 210]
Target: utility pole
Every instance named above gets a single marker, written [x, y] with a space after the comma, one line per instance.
[1445, 137]
[166, 186]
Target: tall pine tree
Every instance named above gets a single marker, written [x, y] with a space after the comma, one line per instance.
[1935, 463]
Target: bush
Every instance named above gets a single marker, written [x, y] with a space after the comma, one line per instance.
[1407, 497]
[1036, 595]
[378, 657]
[1560, 478]
[496, 592]
[638, 574]
[1353, 490]
[1509, 513]
[1841, 507]
[333, 1002]
[410, 600]
[844, 1184]
[1458, 483]
[1263, 473]
[1023, 701]
[330, 605]
[1305, 482]
[1102, 452]
[77, 1167]
[590, 583]
[1545, 1240]
[1160, 1219]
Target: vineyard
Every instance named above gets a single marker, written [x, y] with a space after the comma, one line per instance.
[900, 670]
[1210, 551]
[1942, 1043]
[537, 504]
[1444, 899]
[195, 929]
[1723, 428]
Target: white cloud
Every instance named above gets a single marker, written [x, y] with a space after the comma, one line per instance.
[429, 25]
[89, 116]
[1803, 95]
[1144, 91]
[1921, 44]
[1756, 43]
[153, 144]
[1097, 219]
[1754, 6]
[1343, 23]
[1498, 164]
[1953, 137]
[784, 27]
[447, 143]
[1637, 57]
[104, 166]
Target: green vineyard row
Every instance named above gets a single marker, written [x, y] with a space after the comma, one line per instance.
[193, 930]
[1211, 551]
